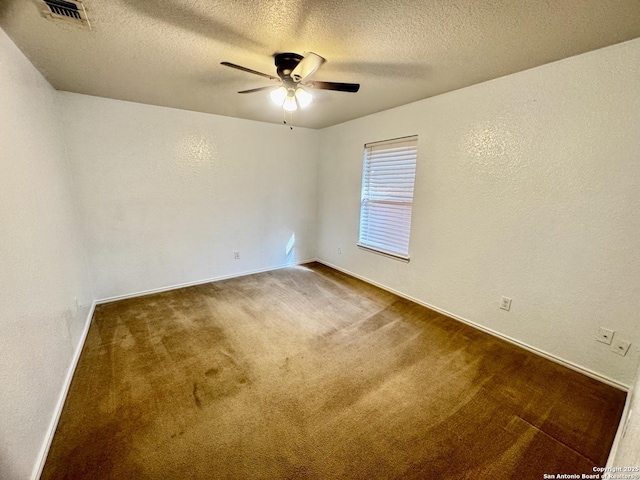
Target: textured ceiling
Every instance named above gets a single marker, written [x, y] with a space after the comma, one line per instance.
[168, 52]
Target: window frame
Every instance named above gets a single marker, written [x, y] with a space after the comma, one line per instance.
[392, 205]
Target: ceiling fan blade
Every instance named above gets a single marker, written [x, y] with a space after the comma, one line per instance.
[259, 89]
[307, 66]
[248, 70]
[341, 87]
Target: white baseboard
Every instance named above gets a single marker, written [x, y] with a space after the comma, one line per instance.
[42, 458]
[76, 357]
[542, 353]
[620, 431]
[199, 282]
[585, 371]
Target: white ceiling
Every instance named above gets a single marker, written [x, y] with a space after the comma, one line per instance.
[168, 52]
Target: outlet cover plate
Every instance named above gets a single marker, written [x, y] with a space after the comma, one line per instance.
[620, 346]
[605, 335]
[505, 303]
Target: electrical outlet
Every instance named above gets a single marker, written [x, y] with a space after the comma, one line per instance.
[339, 251]
[236, 255]
[605, 335]
[620, 346]
[505, 303]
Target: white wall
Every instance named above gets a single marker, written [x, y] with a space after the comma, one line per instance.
[42, 263]
[167, 195]
[527, 186]
[627, 453]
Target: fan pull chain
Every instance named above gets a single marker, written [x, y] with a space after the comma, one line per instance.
[284, 119]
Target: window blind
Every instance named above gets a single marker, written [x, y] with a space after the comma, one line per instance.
[388, 177]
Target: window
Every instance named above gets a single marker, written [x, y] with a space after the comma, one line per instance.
[388, 176]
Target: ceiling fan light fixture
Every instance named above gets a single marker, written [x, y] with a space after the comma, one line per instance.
[304, 98]
[290, 104]
[279, 95]
[293, 71]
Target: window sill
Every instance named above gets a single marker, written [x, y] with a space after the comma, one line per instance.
[384, 253]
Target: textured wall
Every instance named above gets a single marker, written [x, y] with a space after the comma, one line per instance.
[527, 186]
[42, 263]
[167, 195]
[628, 451]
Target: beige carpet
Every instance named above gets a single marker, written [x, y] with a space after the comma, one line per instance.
[306, 373]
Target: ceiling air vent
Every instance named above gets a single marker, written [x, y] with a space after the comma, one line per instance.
[68, 10]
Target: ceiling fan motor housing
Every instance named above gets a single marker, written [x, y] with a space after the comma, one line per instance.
[285, 64]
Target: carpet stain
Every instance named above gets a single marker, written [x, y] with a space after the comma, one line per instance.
[307, 373]
[196, 395]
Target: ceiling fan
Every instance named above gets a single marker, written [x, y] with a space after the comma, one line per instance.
[294, 72]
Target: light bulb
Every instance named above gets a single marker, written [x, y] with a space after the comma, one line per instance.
[290, 104]
[304, 98]
[278, 95]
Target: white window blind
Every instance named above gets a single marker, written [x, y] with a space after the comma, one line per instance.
[388, 176]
